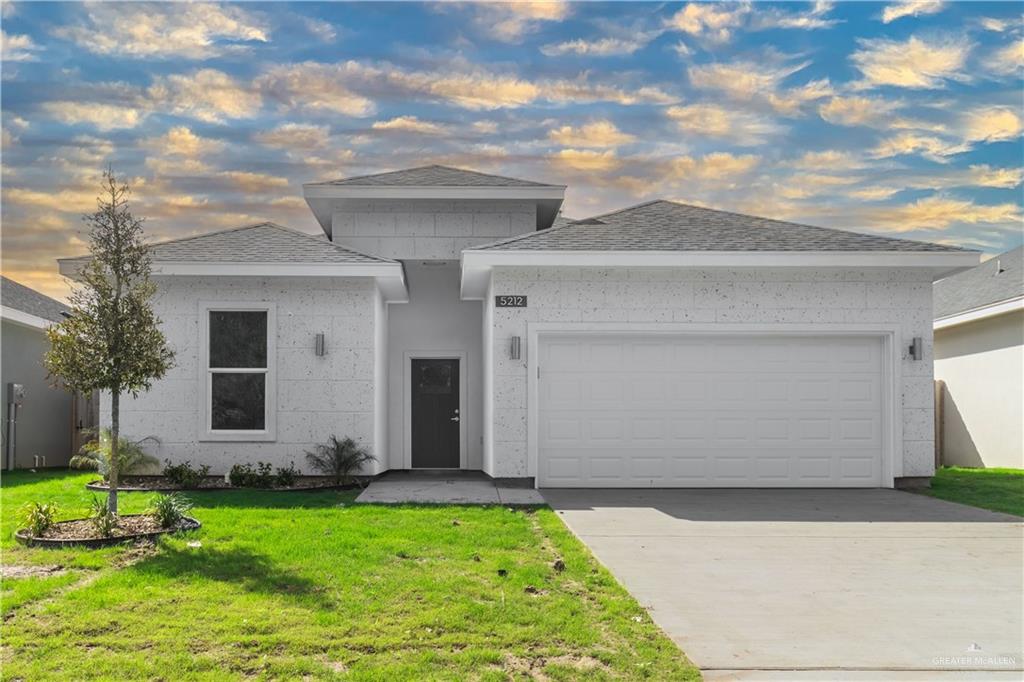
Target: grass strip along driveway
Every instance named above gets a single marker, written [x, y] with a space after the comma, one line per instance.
[308, 585]
[999, 490]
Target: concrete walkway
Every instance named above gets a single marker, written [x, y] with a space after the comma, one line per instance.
[815, 584]
[450, 487]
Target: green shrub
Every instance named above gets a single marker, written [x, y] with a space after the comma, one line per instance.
[339, 459]
[37, 517]
[169, 509]
[131, 457]
[240, 475]
[247, 476]
[103, 520]
[286, 476]
[184, 475]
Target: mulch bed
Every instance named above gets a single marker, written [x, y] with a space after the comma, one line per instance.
[80, 532]
[160, 484]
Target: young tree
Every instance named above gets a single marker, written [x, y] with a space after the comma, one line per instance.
[111, 341]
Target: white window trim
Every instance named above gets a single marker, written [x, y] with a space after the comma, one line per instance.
[206, 432]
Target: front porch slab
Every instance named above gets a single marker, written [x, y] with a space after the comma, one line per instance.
[463, 487]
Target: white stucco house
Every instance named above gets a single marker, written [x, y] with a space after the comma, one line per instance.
[979, 358]
[465, 325]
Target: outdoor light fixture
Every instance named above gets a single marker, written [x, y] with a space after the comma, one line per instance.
[321, 347]
[515, 348]
[916, 349]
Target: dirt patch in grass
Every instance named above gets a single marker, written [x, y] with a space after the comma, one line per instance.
[16, 571]
[533, 668]
[134, 553]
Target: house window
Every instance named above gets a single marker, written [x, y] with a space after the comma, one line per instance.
[239, 373]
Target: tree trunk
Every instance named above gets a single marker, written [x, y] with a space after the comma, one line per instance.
[115, 436]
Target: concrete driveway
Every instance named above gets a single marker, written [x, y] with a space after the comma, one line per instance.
[815, 584]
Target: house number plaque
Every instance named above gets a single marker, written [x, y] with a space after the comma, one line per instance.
[510, 301]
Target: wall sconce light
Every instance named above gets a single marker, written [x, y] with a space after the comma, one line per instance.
[320, 345]
[515, 348]
[916, 349]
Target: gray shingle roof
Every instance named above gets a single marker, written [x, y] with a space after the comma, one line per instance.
[670, 226]
[260, 243]
[981, 285]
[20, 297]
[435, 176]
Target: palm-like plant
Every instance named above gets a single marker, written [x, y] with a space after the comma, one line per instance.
[130, 456]
[339, 459]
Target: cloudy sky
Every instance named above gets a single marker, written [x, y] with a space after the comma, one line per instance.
[898, 118]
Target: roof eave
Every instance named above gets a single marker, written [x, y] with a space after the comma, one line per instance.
[979, 313]
[390, 275]
[23, 319]
[324, 199]
[477, 263]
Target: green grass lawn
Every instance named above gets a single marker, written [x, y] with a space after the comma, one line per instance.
[1000, 490]
[310, 586]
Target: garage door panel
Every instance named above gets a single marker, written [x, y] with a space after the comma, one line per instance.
[717, 411]
[707, 428]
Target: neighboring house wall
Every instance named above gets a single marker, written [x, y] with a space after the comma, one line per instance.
[429, 229]
[44, 420]
[891, 297]
[982, 365]
[434, 320]
[315, 396]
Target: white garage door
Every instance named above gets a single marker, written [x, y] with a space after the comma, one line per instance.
[723, 411]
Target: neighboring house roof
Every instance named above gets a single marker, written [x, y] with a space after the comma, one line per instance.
[435, 176]
[19, 297]
[259, 243]
[670, 226]
[996, 280]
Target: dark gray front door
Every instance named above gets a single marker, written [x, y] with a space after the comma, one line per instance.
[435, 413]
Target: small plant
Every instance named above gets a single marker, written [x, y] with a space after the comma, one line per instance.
[264, 476]
[103, 519]
[286, 476]
[130, 456]
[240, 475]
[339, 459]
[247, 476]
[169, 510]
[38, 517]
[184, 475]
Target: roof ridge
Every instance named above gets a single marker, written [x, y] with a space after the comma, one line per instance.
[486, 175]
[28, 300]
[673, 225]
[628, 208]
[327, 242]
[264, 223]
[773, 220]
[226, 230]
[379, 173]
[527, 235]
[30, 289]
[446, 167]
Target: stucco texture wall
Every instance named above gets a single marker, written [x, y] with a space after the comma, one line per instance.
[44, 421]
[429, 229]
[435, 319]
[316, 396]
[982, 365]
[892, 297]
